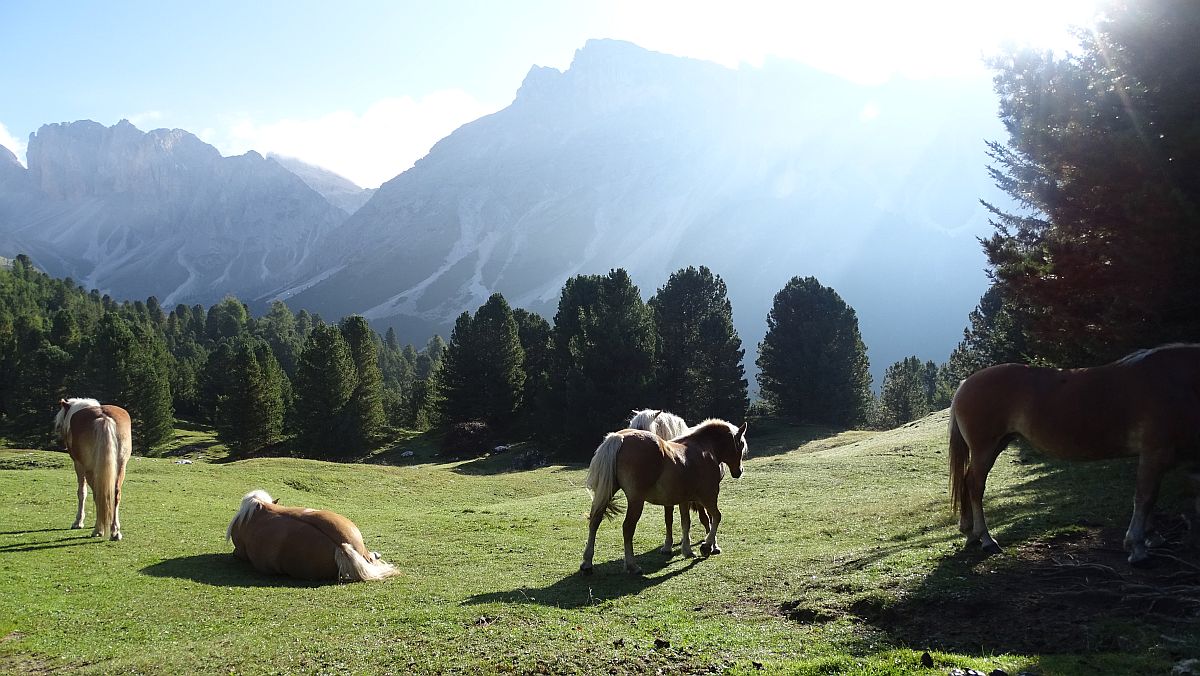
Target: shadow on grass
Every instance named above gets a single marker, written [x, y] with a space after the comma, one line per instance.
[1062, 588]
[608, 581]
[222, 570]
[36, 530]
[73, 541]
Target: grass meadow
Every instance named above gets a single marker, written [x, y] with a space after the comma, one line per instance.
[841, 555]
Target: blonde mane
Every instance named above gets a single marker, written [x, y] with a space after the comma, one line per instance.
[62, 420]
[249, 502]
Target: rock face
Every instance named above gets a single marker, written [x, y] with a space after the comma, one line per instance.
[160, 213]
[338, 190]
[650, 162]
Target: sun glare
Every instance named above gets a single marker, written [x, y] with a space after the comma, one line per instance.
[863, 41]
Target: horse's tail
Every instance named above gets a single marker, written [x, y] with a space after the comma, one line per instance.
[960, 456]
[106, 447]
[354, 567]
[602, 475]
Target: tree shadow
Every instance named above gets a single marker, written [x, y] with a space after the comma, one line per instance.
[607, 582]
[223, 570]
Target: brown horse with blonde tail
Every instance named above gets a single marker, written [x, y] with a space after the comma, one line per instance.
[100, 441]
[649, 468]
[668, 426]
[310, 544]
[1146, 404]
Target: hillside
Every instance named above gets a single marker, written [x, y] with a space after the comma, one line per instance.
[839, 556]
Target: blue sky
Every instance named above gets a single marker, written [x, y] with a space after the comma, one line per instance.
[365, 88]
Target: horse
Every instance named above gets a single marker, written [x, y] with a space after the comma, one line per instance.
[310, 544]
[668, 426]
[99, 441]
[1145, 404]
[649, 468]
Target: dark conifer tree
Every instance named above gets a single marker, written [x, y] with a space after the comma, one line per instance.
[249, 415]
[813, 363]
[325, 382]
[904, 395]
[699, 367]
[364, 411]
[482, 372]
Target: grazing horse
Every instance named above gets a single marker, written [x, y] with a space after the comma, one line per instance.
[651, 469]
[1145, 404]
[668, 426]
[99, 441]
[311, 544]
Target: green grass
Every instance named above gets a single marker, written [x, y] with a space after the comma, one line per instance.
[827, 541]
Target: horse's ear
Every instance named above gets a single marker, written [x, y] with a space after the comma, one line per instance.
[656, 414]
[63, 403]
[275, 501]
[741, 431]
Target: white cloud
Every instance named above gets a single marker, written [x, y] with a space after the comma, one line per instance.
[367, 148]
[9, 141]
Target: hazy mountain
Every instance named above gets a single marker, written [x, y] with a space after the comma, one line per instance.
[160, 213]
[338, 190]
[651, 162]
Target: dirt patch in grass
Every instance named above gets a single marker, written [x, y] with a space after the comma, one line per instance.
[1073, 593]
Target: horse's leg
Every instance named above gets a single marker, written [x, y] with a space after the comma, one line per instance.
[633, 511]
[976, 481]
[1150, 471]
[590, 549]
[668, 515]
[704, 520]
[685, 524]
[82, 494]
[709, 546]
[116, 524]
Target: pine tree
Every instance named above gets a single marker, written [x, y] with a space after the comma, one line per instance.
[482, 373]
[325, 381]
[128, 366]
[905, 393]
[699, 368]
[603, 359]
[813, 363]
[534, 333]
[249, 415]
[1101, 256]
[364, 412]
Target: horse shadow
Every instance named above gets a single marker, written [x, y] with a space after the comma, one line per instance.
[222, 570]
[34, 530]
[72, 541]
[609, 581]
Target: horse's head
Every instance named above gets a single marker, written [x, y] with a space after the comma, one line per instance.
[66, 409]
[736, 450]
[251, 503]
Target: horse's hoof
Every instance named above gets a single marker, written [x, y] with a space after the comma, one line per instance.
[1139, 557]
[77, 525]
[585, 569]
[991, 548]
[95, 533]
[705, 549]
[716, 550]
[116, 537]
[688, 553]
[1156, 540]
[665, 549]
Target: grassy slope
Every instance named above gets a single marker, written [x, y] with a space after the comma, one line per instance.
[818, 530]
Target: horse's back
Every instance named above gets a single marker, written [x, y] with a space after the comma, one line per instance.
[280, 544]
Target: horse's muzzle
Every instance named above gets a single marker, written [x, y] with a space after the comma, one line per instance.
[735, 473]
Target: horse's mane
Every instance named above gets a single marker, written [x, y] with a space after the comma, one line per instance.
[249, 502]
[1138, 355]
[706, 429]
[664, 424]
[62, 420]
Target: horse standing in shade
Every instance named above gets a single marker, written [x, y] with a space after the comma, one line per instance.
[668, 426]
[310, 544]
[1147, 404]
[649, 468]
[99, 441]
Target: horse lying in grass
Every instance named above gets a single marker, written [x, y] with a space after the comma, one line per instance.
[668, 426]
[309, 544]
[99, 441]
[1146, 404]
[649, 468]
